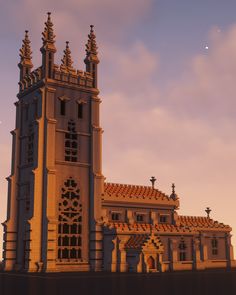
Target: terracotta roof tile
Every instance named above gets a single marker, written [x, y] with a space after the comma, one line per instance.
[199, 222]
[133, 192]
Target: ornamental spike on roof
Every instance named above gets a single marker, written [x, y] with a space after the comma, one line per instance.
[91, 46]
[48, 33]
[25, 51]
[67, 59]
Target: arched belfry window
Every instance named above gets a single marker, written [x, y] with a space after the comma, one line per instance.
[70, 221]
[71, 142]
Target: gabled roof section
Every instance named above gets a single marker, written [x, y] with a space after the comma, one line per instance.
[136, 193]
[202, 223]
[140, 242]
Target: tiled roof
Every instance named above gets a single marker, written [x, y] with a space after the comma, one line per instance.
[199, 222]
[136, 241]
[144, 240]
[185, 224]
[127, 192]
[146, 227]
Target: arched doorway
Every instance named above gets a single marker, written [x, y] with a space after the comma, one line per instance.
[151, 262]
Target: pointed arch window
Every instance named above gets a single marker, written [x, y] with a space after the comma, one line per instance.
[182, 250]
[71, 143]
[69, 222]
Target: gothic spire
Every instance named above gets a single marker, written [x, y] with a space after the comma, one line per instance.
[48, 49]
[25, 63]
[67, 59]
[48, 34]
[25, 51]
[91, 46]
[91, 60]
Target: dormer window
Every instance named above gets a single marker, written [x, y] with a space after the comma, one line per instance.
[115, 216]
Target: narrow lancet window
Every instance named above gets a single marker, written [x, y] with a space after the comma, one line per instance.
[80, 110]
[71, 143]
[62, 107]
[182, 250]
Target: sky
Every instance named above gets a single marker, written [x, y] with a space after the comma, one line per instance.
[167, 79]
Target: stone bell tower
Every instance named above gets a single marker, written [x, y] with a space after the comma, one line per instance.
[56, 182]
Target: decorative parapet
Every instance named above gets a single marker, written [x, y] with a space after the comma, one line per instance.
[78, 78]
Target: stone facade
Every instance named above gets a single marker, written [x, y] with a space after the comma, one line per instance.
[62, 215]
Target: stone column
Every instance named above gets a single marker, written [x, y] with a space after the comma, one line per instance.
[140, 264]
[123, 263]
[173, 253]
[197, 263]
[229, 253]
[114, 256]
[204, 250]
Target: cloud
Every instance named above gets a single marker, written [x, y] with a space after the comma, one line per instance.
[207, 88]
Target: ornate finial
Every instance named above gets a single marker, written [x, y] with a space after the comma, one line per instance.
[48, 34]
[25, 51]
[91, 46]
[173, 188]
[153, 180]
[173, 194]
[208, 211]
[67, 60]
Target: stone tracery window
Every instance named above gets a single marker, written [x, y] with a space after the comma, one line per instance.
[71, 143]
[70, 222]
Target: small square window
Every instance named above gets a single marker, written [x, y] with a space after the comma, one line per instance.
[115, 216]
[163, 218]
[140, 217]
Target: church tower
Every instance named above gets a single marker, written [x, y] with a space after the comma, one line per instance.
[56, 182]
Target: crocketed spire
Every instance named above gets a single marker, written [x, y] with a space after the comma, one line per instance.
[25, 51]
[67, 59]
[91, 46]
[48, 34]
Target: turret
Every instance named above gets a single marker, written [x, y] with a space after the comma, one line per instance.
[25, 65]
[91, 59]
[48, 49]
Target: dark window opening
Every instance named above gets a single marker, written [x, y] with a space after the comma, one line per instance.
[163, 219]
[62, 107]
[182, 251]
[140, 217]
[115, 216]
[80, 110]
[214, 246]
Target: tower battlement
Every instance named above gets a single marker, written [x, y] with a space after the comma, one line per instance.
[77, 78]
